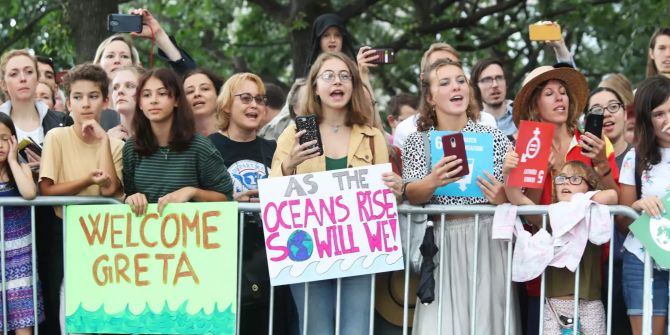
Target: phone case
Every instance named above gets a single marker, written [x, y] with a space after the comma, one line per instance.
[384, 56]
[453, 145]
[310, 124]
[544, 32]
[593, 123]
[124, 23]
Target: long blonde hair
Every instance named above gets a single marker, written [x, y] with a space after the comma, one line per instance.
[225, 99]
[358, 108]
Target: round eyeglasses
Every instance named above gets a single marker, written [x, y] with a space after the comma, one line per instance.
[574, 180]
[329, 76]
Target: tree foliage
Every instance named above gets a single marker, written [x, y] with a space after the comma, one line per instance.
[271, 37]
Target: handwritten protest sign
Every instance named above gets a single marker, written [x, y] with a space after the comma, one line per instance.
[534, 147]
[331, 224]
[654, 234]
[479, 149]
[169, 274]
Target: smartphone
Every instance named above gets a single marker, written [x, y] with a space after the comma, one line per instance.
[544, 31]
[124, 23]
[593, 123]
[29, 143]
[384, 56]
[310, 124]
[453, 145]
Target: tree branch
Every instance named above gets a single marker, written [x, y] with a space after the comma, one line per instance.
[355, 8]
[273, 8]
[28, 28]
[450, 24]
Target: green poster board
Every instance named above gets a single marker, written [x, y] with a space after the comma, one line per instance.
[169, 274]
[654, 234]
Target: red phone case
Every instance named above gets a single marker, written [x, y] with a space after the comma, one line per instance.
[453, 145]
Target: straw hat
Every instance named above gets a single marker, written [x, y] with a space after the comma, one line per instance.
[389, 296]
[576, 85]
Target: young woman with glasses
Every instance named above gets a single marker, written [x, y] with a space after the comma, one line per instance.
[336, 96]
[606, 101]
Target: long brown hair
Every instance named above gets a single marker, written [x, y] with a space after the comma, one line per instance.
[651, 66]
[427, 115]
[183, 125]
[651, 93]
[358, 108]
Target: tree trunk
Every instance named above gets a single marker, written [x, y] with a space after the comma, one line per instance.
[87, 20]
[301, 38]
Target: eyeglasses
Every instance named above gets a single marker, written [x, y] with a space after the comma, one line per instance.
[613, 108]
[329, 76]
[246, 98]
[574, 180]
[488, 81]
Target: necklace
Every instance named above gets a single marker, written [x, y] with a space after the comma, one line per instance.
[335, 128]
[164, 152]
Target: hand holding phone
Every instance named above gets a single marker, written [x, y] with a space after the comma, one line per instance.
[453, 145]
[544, 31]
[124, 23]
[310, 124]
[384, 56]
[593, 123]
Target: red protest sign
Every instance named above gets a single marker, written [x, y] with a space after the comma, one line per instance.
[533, 146]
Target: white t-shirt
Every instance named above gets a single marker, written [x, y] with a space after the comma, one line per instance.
[655, 181]
[408, 126]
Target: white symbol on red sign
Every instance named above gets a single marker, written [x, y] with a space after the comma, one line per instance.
[533, 146]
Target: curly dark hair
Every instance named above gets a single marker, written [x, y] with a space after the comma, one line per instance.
[89, 72]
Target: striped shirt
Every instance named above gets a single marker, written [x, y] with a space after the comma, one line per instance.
[166, 171]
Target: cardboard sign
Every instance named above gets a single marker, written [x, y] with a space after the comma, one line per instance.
[330, 224]
[479, 149]
[654, 234]
[534, 147]
[169, 274]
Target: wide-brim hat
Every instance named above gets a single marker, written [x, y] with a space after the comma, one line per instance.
[577, 87]
[390, 297]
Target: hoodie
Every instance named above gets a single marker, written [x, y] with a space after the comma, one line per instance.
[321, 24]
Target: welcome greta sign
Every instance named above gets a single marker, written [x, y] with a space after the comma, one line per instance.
[331, 224]
[174, 273]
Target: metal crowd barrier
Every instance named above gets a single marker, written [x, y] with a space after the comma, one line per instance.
[442, 211]
[477, 211]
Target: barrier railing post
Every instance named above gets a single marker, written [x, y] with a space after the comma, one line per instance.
[33, 260]
[575, 319]
[473, 302]
[338, 305]
[240, 249]
[508, 286]
[408, 253]
[440, 306]
[610, 280]
[371, 329]
[542, 293]
[647, 295]
[3, 272]
[64, 211]
[271, 307]
[305, 310]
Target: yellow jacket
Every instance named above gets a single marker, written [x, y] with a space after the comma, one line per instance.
[360, 153]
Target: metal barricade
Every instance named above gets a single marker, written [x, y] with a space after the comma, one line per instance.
[477, 211]
[38, 201]
[442, 211]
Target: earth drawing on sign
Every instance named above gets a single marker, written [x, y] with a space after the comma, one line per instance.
[300, 246]
[659, 229]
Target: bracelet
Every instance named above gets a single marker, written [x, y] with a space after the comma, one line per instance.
[609, 171]
[403, 191]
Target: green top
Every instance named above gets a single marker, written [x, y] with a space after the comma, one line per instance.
[336, 164]
[166, 171]
[561, 282]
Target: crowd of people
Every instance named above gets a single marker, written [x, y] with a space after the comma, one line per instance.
[112, 128]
